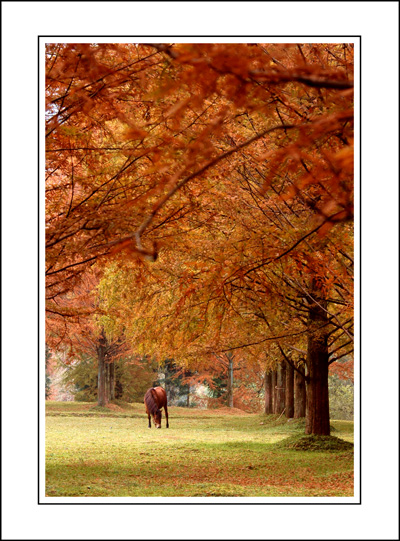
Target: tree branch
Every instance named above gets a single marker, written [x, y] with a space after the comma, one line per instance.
[291, 363]
[340, 356]
[139, 232]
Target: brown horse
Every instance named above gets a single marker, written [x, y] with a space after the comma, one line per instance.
[155, 399]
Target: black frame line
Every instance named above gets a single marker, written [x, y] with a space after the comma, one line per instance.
[40, 37]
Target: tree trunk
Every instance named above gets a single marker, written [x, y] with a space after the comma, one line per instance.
[280, 388]
[275, 392]
[230, 380]
[107, 381]
[269, 392]
[101, 383]
[112, 381]
[300, 395]
[317, 410]
[289, 395]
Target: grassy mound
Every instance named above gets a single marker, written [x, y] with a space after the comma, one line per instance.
[314, 443]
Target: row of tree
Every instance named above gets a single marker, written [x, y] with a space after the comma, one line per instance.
[282, 391]
[199, 202]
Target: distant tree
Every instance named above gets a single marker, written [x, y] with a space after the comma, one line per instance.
[174, 380]
[300, 393]
[341, 398]
[289, 391]
[81, 378]
[268, 393]
[48, 371]
[133, 376]
[280, 388]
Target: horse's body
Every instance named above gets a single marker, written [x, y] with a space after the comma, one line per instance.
[155, 399]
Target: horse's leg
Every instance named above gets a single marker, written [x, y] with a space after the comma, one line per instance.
[166, 414]
[149, 420]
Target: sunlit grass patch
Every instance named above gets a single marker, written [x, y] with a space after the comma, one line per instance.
[91, 452]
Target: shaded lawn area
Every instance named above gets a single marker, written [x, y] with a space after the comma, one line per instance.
[110, 452]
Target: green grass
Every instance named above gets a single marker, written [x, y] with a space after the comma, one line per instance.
[105, 452]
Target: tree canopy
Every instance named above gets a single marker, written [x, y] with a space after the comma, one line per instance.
[209, 187]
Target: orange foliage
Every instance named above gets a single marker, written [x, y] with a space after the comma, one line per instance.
[229, 166]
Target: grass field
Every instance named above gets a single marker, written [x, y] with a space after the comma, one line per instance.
[92, 451]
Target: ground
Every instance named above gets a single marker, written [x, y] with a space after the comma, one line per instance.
[93, 451]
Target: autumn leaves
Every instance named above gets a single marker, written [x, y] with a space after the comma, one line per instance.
[228, 166]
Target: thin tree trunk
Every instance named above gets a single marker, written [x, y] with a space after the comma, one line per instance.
[230, 380]
[275, 392]
[112, 381]
[300, 395]
[269, 392]
[107, 381]
[101, 383]
[317, 411]
[289, 395]
[280, 384]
